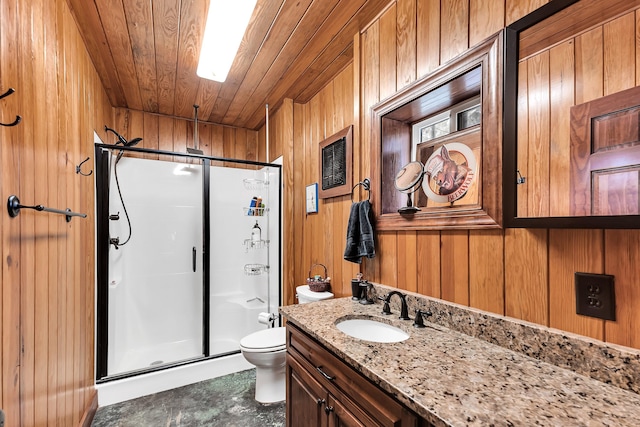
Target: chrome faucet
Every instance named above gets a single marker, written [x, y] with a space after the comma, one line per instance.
[404, 310]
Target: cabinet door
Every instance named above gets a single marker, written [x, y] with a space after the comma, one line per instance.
[306, 398]
[343, 415]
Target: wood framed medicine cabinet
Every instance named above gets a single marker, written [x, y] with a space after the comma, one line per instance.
[476, 74]
[572, 117]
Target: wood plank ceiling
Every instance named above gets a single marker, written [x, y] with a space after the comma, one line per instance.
[146, 53]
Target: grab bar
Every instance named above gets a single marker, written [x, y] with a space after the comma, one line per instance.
[14, 206]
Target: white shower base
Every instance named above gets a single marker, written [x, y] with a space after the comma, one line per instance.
[154, 382]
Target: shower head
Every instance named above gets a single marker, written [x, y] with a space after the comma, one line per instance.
[121, 139]
[133, 142]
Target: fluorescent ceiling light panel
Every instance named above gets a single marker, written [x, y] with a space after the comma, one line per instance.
[227, 22]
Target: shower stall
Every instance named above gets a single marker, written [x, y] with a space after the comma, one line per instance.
[188, 256]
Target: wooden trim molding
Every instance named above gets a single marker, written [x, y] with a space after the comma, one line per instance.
[90, 410]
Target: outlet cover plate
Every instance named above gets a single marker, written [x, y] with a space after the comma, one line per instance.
[595, 296]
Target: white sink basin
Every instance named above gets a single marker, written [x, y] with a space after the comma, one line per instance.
[372, 330]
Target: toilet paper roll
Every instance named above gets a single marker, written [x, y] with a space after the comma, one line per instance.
[264, 318]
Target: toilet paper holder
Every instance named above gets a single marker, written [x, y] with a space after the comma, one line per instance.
[267, 318]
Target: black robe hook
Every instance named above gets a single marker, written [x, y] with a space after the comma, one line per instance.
[79, 168]
[18, 118]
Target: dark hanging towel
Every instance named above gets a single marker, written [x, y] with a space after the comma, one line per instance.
[360, 235]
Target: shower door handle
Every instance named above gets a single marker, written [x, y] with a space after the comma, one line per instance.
[193, 259]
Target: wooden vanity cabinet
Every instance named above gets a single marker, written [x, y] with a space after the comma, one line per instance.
[323, 391]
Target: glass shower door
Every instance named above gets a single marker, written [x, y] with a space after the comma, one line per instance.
[155, 295]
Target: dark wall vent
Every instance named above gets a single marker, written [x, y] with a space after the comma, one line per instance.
[334, 164]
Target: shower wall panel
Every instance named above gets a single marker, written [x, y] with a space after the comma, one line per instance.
[244, 273]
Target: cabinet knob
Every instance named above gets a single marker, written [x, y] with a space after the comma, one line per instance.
[328, 409]
[320, 402]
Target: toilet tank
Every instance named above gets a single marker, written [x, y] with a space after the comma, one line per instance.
[305, 295]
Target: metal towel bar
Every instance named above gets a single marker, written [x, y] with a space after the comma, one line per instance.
[14, 206]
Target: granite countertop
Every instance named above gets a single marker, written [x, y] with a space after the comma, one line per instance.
[453, 379]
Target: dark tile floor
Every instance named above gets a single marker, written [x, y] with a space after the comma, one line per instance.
[225, 401]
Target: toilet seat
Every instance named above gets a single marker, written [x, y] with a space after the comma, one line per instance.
[265, 341]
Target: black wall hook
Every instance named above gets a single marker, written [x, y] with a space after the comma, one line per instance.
[79, 168]
[18, 118]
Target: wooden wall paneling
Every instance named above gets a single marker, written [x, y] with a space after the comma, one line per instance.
[343, 95]
[61, 274]
[589, 66]
[165, 133]
[52, 118]
[370, 63]
[75, 262]
[204, 136]
[538, 166]
[427, 36]
[180, 138]
[316, 221]
[637, 50]
[304, 162]
[334, 229]
[454, 266]
[486, 270]
[561, 90]
[331, 206]
[27, 219]
[240, 146]
[516, 9]
[228, 143]
[522, 148]
[407, 260]
[217, 142]
[252, 140]
[621, 254]
[41, 172]
[572, 251]
[356, 118]
[406, 29]
[296, 192]
[486, 17]
[71, 261]
[454, 32]
[386, 260]
[287, 135]
[619, 40]
[151, 134]
[388, 48]
[428, 263]
[527, 275]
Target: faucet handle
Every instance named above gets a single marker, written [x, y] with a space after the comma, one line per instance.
[386, 310]
[419, 321]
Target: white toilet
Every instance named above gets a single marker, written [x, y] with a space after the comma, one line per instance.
[266, 350]
[306, 295]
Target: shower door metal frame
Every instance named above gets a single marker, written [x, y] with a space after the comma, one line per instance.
[102, 253]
